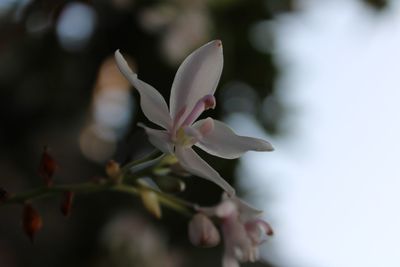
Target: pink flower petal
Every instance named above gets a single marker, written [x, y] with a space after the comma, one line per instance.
[197, 76]
[153, 104]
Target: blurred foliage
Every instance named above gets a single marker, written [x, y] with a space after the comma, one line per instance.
[377, 4]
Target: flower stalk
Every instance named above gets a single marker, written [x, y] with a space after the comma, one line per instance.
[130, 173]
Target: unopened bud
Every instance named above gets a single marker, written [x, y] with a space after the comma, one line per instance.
[31, 221]
[66, 203]
[202, 231]
[113, 170]
[150, 202]
[149, 198]
[170, 184]
[47, 167]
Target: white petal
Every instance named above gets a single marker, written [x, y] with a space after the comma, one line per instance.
[224, 143]
[197, 76]
[153, 104]
[195, 165]
[159, 138]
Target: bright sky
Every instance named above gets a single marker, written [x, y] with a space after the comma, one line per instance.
[334, 185]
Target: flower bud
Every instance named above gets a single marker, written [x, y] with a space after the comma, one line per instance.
[150, 202]
[31, 221]
[170, 184]
[202, 232]
[47, 167]
[113, 170]
[149, 198]
[66, 204]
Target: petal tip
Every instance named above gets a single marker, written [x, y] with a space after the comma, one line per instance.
[266, 147]
[215, 44]
[270, 148]
[123, 65]
[118, 56]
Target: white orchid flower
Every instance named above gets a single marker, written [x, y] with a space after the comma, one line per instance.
[192, 93]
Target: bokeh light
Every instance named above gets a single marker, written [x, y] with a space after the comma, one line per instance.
[110, 114]
[75, 26]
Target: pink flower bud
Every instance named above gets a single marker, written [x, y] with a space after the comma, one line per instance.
[202, 232]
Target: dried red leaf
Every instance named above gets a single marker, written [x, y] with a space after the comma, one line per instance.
[31, 221]
[66, 204]
[47, 167]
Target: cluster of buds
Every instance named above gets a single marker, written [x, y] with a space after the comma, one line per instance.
[32, 221]
[243, 231]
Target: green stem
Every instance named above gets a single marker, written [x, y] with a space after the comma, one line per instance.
[43, 192]
[130, 172]
[145, 159]
[141, 168]
[169, 201]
